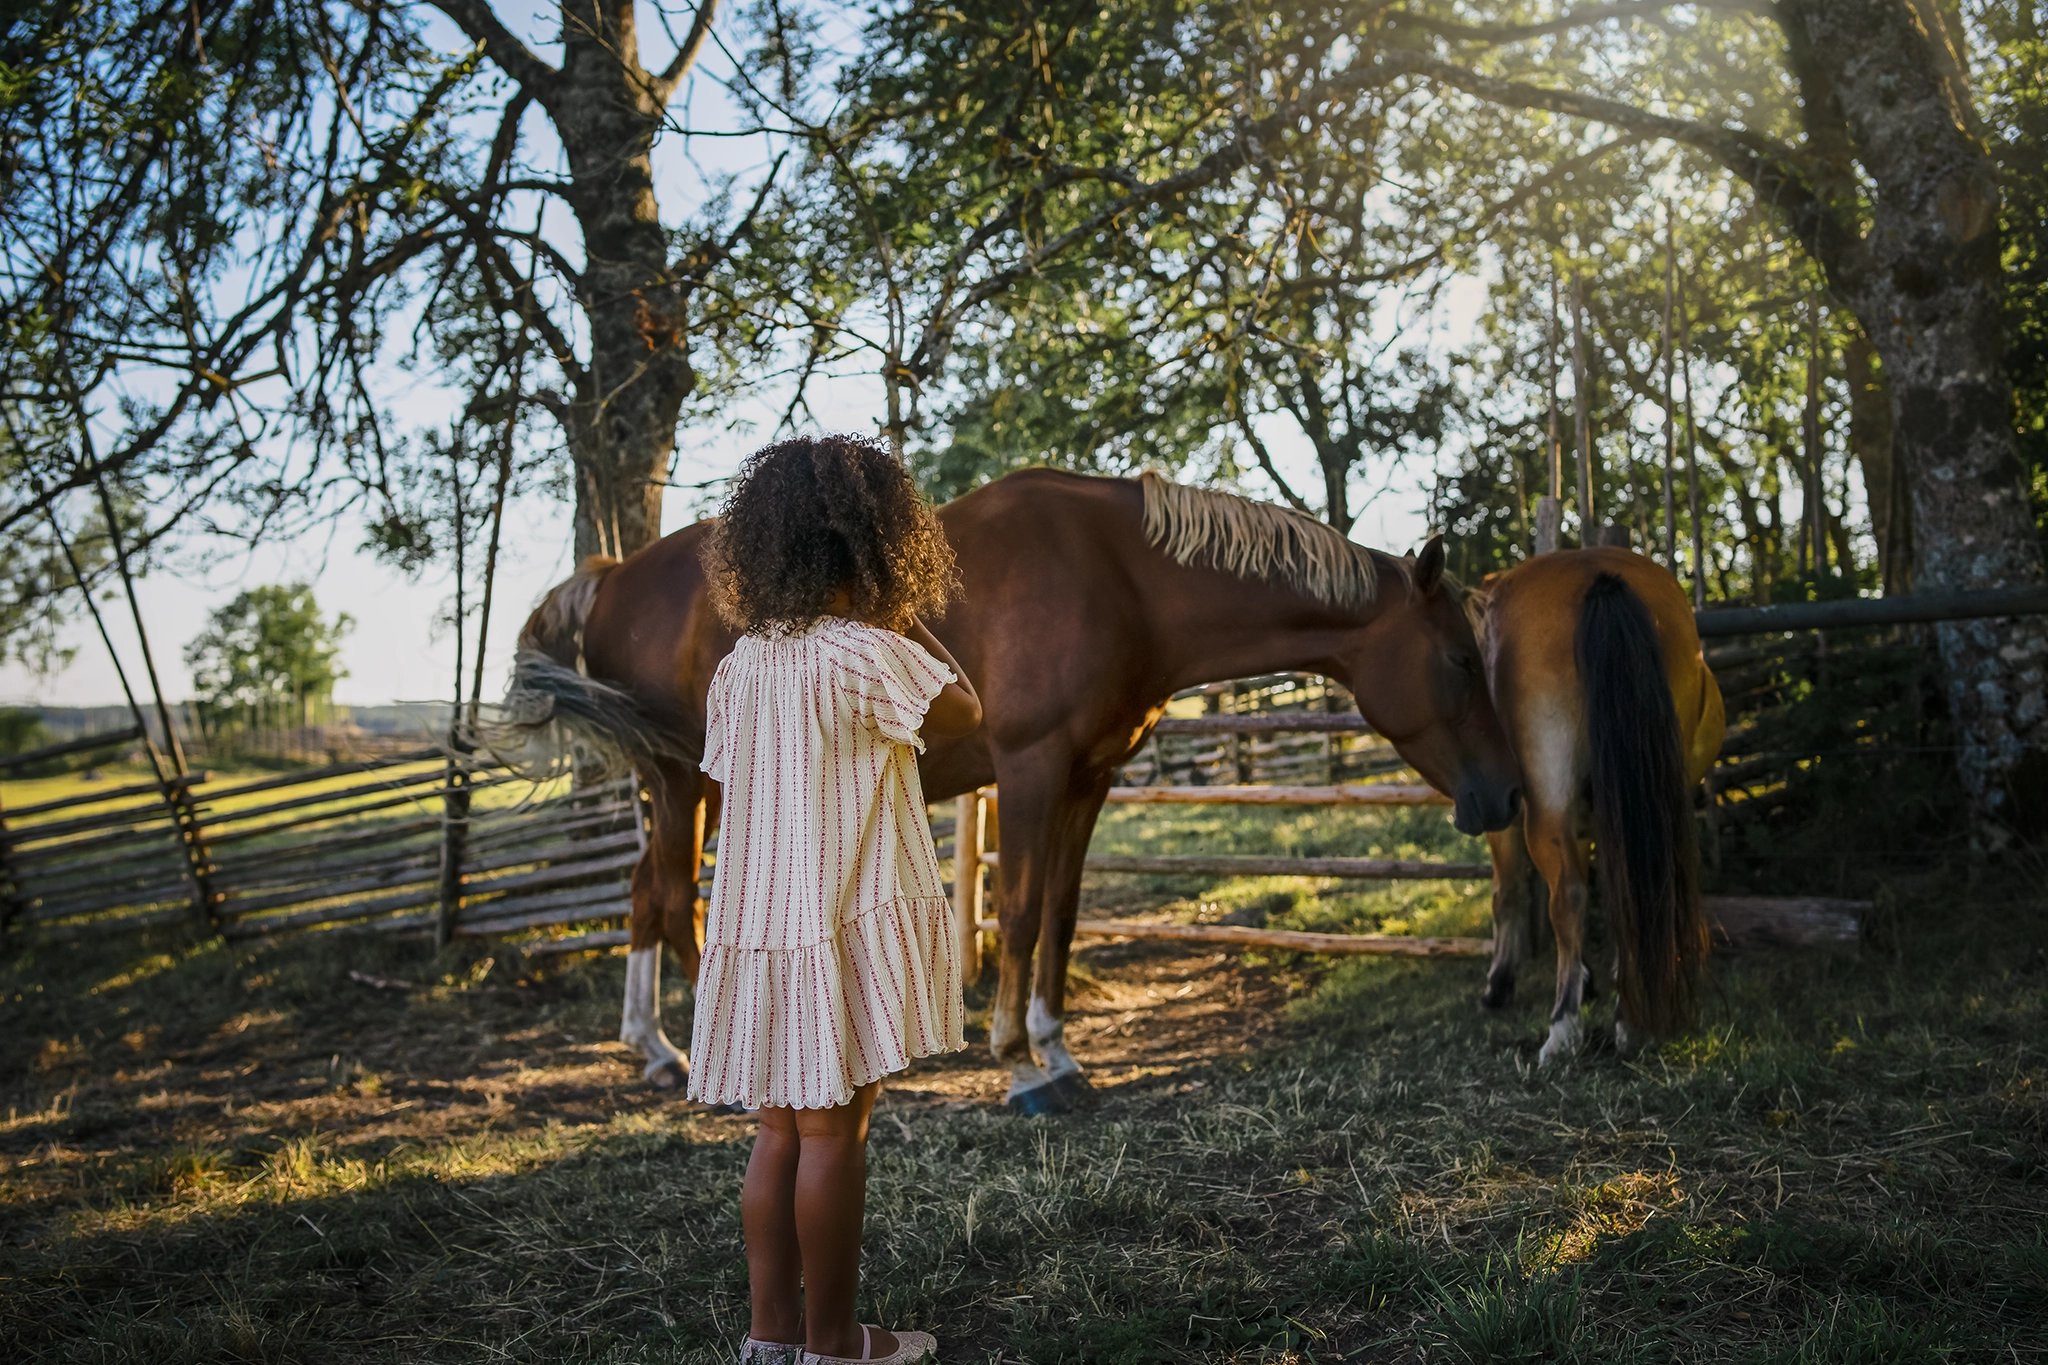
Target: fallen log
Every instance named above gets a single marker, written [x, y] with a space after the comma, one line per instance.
[1784, 921]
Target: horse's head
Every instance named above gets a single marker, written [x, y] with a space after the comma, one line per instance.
[1429, 695]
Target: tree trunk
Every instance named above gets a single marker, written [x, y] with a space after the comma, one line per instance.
[1884, 484]
[622, 428]
[1926, 283]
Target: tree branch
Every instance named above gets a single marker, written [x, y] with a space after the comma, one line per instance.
[1564, 23]
[1768, 166]
[476, 19]
[1265, 459]
[686, 53]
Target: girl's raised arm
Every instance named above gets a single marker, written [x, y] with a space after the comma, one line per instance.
[957, 708]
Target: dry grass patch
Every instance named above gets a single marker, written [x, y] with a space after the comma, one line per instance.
[240, 1154]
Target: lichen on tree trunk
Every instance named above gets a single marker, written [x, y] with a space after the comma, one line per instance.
[1925, 281]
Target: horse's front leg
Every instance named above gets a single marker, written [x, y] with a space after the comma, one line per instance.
[1029, 862]
[665, 908]
[1560, 857]
[1515, 895]
[1066, 851]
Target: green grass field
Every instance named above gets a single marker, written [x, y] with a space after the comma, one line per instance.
[238, 1153]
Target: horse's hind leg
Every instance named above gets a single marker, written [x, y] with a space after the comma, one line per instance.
[1516, 893]
[665, 908]
[1560, 857]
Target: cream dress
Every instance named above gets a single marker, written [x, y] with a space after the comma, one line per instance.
[831, 957]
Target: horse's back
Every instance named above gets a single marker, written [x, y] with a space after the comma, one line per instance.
[652, 627]
[1534, 622]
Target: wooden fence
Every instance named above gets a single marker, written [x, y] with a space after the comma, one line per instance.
[374, 844]
[379, 844]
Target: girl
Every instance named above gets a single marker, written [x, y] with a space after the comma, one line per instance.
[831, 957]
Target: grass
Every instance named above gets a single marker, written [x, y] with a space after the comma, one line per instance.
[236, 1153]
[1319, 904]
[109, 776]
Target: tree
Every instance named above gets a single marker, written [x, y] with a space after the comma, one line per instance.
[1852, 123]
[268, 653]
[1855, 122]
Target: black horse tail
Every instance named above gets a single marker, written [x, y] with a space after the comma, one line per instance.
[555, 717]
[1645, 844]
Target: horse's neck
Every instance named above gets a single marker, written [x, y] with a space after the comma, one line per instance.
[1236, 628]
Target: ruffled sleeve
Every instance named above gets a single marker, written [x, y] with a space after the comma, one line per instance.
[892, 680]
[716, 763]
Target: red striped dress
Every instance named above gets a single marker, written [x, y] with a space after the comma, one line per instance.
[831, 957]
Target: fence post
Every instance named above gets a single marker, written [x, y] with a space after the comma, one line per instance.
[967, 850]
[10, 883]
[454, 843]
[991, 843]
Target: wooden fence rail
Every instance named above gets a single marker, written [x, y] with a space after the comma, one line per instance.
[363, 844]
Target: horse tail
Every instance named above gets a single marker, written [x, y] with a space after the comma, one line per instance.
[1642, 809]
[557, 717]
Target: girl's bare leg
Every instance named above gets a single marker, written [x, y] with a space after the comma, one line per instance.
[768, 1214]
[831, 1197]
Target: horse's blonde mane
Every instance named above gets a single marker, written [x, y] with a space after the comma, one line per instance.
[1256, 540]
[1477, 604]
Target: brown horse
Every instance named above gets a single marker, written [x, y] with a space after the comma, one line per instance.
[1596, 672]
[1086, 604]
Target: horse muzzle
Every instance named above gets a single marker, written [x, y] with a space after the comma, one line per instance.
[1479, 809]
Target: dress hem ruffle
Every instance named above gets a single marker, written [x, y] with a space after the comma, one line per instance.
[803, 1028]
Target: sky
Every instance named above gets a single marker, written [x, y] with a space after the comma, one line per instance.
[400, 647]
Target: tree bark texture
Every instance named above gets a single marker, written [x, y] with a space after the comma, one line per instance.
[607, 108]
[623, 430]
[1926, 283]
[1884, 483]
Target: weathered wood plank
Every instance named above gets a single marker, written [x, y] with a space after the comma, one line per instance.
[1364, 794]
[553, 876]
[1376, 945]
[255, 925]
[108, 740]
[95, 798]
[516, 904]
[1265, 723]
[1784, 921]
[603, 939]
[617, 908]
[1383, 869]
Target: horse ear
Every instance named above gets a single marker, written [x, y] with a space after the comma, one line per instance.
[1429, 566]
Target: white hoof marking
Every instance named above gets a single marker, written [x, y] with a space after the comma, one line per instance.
[1025, 1076]
[1048, 1035]
[1625, 1040]
[1563, 1042]
[640, 1019]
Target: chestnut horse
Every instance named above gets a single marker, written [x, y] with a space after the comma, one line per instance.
[1086, 604]
[1595, 669]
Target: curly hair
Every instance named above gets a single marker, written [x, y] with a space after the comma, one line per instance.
[809, 516]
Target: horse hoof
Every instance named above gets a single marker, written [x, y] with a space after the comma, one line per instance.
[670, 1075]
[1493, 1001]
[1074, 1087]
[1039, 1099]
[1562, 1044]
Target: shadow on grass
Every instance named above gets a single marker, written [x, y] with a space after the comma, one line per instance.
[1843, 1164]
